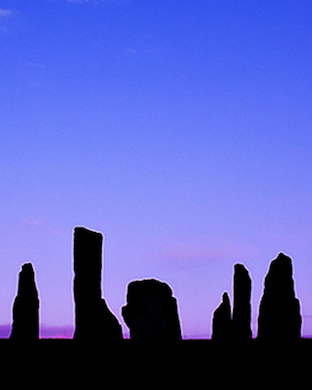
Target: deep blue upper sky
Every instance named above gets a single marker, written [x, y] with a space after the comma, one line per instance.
[179, 129]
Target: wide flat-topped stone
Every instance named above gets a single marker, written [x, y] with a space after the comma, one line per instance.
[151, 313]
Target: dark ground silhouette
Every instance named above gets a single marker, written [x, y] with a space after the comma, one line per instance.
[195, 363]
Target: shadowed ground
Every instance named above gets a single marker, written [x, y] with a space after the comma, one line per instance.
[194, 362]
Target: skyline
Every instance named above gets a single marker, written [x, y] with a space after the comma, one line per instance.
[67, 331]
[181, 131]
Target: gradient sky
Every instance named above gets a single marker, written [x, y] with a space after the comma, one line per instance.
[179, 129]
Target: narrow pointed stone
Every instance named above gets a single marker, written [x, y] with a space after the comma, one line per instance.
[25, 327]
[279, 311]
[221, 322]
[241, 305]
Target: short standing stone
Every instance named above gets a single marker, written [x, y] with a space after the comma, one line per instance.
[151, 313]
[25, 326]
[221, 322]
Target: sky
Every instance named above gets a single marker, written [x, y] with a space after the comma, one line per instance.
[179, 129]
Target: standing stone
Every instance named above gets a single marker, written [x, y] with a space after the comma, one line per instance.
[94, 321]
[151, 314]
[25, 327]
[221, 322]
[241, 306]
[279, 312]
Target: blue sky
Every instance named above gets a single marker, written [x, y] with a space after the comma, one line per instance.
[180, 130]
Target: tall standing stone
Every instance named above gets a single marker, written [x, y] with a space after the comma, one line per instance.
[151, 313]
[279, 312]
[25, 327]
[241, 305]
[221, 322]
[94, 322]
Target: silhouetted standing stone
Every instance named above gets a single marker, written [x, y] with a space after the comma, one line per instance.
[221, 322]
[241, 306]
[279, 311]
[151, 313]
[25, 326]
[94, 321]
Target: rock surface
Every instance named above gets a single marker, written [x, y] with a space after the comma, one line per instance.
[241, 306]
[94, 322]
[151, 313]
[279, 312]
[25, 326]
[221, 322]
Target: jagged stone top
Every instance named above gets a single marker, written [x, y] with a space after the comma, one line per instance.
[226, 299]
[240, 268]
[138, 289]
[278, 280]
[281, 265]
[242, 282]
[26, 283]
